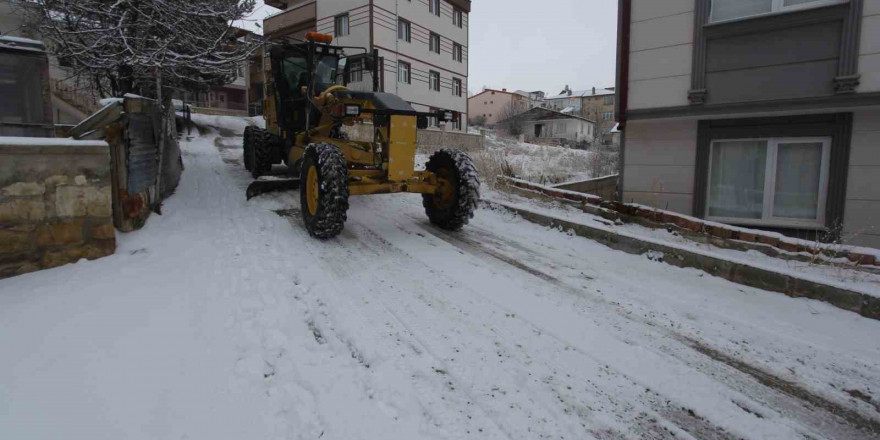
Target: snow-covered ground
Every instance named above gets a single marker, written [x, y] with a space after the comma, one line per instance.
[536, 163]
[222, 319]
[838, 272]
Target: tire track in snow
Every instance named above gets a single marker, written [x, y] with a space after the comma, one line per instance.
[521, 249]
[758, 385]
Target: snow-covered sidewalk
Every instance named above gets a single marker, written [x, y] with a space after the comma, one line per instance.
[222, 319]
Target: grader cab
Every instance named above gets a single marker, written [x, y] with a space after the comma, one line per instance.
[307, 106]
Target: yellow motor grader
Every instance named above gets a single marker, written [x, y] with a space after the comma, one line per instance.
[306, 107]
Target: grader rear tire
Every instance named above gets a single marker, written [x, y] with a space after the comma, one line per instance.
[261, 152]
[458, 192]
[324, 190]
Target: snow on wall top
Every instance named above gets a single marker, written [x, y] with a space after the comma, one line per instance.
[19, 43]
[47, 142]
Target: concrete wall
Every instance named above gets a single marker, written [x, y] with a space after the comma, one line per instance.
[869, 48]
[661, 51]
[862, 214]
[604, 187]
[432, 140]
[659, 164]
[55, 203]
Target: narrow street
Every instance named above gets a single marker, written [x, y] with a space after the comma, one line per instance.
[231, 322]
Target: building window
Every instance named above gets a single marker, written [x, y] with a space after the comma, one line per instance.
[434, 81]
[457, 18]
[456, 120]
[341, 25]
[456, 52]
[434, 43]
[608, 116]
[433, 121]
[356, 72]
[732, 9]
[434, 7]
[778, 181]
[456, 87]
[404, 30]
[404, 72]
[609, 100]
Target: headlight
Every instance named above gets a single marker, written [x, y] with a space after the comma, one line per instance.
[352, 110]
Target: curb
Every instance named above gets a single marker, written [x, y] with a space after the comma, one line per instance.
[739, 273]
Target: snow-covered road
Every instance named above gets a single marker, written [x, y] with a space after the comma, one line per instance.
[222, 319]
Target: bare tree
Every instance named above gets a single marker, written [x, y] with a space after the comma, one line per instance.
[510, 120]
[125, 46]
[146, 46]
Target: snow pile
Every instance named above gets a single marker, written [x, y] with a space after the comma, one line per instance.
[231, 123]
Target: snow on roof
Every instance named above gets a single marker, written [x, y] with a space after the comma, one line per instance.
[616, 128]
[584, 93]
[567, 110]
[19, 43]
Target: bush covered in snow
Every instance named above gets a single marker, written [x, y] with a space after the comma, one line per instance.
[542, 164]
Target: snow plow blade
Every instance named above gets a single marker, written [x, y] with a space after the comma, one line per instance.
[271, 185]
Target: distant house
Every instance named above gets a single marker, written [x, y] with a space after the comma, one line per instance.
[763, 114]
[596, 104]
[232, 98]
[491, 104]
[540, 124]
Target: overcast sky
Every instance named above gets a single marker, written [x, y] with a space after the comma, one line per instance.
[528, 45]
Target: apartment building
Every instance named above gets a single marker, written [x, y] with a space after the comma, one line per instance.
[422, 44]
[491, 106]
[763, 113]
[595, 104]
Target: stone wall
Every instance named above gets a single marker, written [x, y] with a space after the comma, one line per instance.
[55, 203]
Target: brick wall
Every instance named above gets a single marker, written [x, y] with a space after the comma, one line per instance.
[55, 203]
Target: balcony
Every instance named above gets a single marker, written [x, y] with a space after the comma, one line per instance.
[300, 16]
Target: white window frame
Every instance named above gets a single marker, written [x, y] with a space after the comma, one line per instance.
[456, 87]
[777, 7]
[457, 52]
[767, 218]
[458, 18]
[432, 85]
[406, 27]
[341, 25]
[432, 39]
[406, 69]
[434, 7]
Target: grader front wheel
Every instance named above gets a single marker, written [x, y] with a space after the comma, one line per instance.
[458, 189]
[324, 191]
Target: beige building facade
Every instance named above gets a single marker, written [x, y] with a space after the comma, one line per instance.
[491, 105]
[720, 124]
[423, 45]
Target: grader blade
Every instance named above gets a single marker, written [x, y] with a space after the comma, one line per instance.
[264, 186]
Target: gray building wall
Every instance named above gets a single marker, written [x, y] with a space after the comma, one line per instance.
[869, 48]
[862, 212]
[660, 53]
[659, 168]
